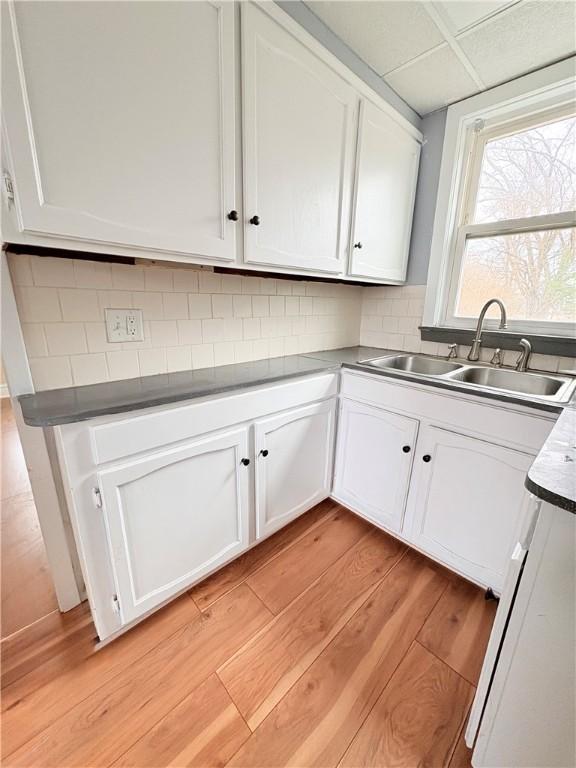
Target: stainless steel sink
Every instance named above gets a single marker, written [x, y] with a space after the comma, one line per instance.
[536, 384]
[426, 366]
[550, 387]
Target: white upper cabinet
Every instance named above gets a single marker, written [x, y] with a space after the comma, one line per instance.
[386, 174]
[299, 138]
[120, 119]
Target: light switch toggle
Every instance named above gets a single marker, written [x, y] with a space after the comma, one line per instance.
[124, 325]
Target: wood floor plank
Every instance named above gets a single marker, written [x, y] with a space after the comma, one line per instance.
[104, 726]
[417, 719]
[223, 581]
[462, 755]
[205, 729]
[317, 719]
[289, 574]
[262, 673]
[39, 698]
[458, 629]
[66, 636]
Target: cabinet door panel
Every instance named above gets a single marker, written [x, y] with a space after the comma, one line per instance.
[387, 169]
[296, 471]
[298, 147]
[372, 467]
[174, 516]
[466, 503]
[121, 122]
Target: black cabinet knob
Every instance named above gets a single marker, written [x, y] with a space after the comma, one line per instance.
[233, 215]
[358, 245]
[426, 458]
[245, 462]
[406, 448]
[255, 220]
[264, 452]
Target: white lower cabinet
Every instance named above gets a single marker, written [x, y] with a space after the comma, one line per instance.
[466, 502]
[374, 460]
[294, 459]
[173, 516]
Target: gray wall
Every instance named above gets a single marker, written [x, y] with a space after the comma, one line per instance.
[426, 192]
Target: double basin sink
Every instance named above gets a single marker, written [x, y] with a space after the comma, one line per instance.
[548, 387]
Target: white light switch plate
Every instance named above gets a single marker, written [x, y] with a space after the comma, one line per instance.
[124, 325]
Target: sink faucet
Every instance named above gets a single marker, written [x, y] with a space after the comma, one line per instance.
[474, 353]
[522, 362]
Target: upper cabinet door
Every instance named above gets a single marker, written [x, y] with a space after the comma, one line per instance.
[120, 122]
[386, 174]
[299, 137]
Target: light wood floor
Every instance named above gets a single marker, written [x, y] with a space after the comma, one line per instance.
[330, 644]
[26, 586]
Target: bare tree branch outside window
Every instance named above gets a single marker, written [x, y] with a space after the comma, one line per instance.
[529, 173]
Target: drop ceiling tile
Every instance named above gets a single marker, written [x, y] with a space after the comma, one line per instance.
[432, 81]
[461, 14]
[528, 36]
[384, 34]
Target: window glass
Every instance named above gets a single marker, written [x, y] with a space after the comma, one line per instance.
[529, 173]
[533, 273]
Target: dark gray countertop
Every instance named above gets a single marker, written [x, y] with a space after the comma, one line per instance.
[552, 476]
[64, 406]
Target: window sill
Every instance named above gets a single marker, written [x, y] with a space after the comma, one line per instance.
[563, 346]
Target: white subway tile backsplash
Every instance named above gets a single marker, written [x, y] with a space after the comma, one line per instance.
[224, 353]
[92, 274]
[37, 305]
[260, 306]
[199, 305]
[152, 361]
[123, 364]
[189, 331]
[79, 304]
[242, 305]
[222, 305]
[277, 305]
[48, 271]
[164, 333]
[35, 339]
[192, 318]
[152, 305]
[202, 355]
[175, 306]
[209, 282]
[89, 369]
[51, 372]
[65, 338]
[178, 359]
[126, 277]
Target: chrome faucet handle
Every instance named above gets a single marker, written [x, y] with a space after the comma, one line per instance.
[453, 351]
[497, 358]
[522, 362]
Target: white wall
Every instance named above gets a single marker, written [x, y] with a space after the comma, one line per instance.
[193, 318]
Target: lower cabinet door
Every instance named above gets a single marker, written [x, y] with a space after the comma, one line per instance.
[174, 516]
[466, 504]
[294, 462]
[373, 463]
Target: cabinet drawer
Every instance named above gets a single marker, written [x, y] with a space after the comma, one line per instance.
[125, 436]
[486, 418]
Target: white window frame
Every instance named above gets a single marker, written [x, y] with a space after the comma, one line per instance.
[470, 124]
